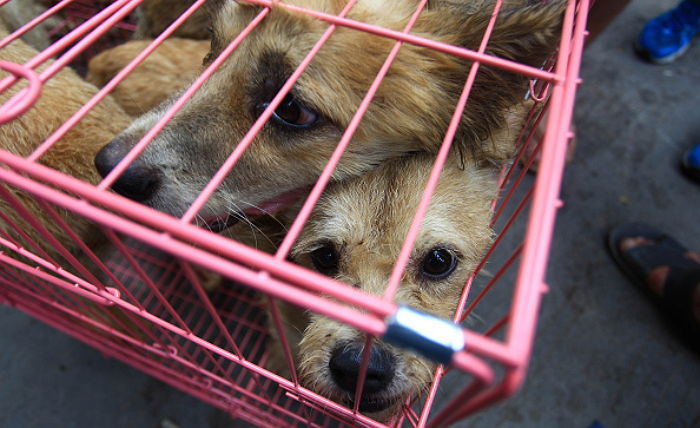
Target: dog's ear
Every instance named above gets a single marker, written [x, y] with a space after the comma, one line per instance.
[526, 31]
[530, 34]
[212, 8]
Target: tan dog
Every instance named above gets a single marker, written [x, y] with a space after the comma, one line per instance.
[355, 235]
[61, 96]
[174, 64]
[410, 111]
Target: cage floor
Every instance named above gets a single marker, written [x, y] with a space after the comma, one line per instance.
[602, 352]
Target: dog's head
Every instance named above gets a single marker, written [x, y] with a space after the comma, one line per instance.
[355, 235]
[409, 113]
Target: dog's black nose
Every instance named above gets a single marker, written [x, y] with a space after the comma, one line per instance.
[345, 367]
[138, 181]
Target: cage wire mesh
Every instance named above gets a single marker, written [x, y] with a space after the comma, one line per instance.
[196, 309]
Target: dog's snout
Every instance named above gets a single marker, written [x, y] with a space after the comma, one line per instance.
[138, 181]
[345, 368]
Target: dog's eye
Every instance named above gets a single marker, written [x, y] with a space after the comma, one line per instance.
[325, 260]
[439, 263]
[290, 112]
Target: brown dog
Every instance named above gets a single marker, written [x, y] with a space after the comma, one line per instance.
[61, 96]
[410, 111]
[174, 64]
[355, 234]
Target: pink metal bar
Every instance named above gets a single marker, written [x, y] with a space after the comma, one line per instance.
[94, 296]
[60, 272]
[18, 105]
[273, 287]
[196, 360]
[311, 200]
[524, 140]
[62, 308]
[419, 41]
[72, 53]
[119, 245]
[17, 246]
[189, 273]
[219, 245]
[410, 240]
[514, 187]
[73, 237]
[545, 200]
[167, 377]
[102, 93]
[497, 326]
[63, 299]
[259, 123]
[491, 283]
[367, 350]
[443, 419]
[70, 38]
[425, 411]
[34, 22]
[545, 204]
[146, 140]
[277, 322]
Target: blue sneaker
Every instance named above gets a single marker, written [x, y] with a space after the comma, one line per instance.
[690, 163]
[668, 36]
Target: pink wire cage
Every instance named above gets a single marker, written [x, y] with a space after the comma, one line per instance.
[212, 345]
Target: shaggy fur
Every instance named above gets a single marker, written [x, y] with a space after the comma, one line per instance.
[61, 96]
[409, 113]
[165, 72]
[364, 221]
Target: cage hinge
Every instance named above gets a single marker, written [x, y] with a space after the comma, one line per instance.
[432, 337]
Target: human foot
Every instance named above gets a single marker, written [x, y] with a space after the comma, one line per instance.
[659, 264]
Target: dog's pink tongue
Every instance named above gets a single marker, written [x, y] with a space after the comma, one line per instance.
[271, 206]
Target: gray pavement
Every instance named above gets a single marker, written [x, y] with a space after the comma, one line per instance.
[602, 351]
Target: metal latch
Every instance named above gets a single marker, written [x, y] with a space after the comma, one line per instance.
[432, 337]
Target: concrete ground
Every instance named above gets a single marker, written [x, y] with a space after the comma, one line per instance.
[602, 353]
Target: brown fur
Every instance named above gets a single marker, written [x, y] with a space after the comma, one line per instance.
[61, 96]
[409, 113]
[365, 220]
[154, 16]
[166, 71]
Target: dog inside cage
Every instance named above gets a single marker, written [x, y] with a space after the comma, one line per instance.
[239, 197]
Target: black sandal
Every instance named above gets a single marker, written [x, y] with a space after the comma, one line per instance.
[637, 263]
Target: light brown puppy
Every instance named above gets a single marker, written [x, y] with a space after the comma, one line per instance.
[174, 64]
[61, 96]
[409, 113]
[355, 234]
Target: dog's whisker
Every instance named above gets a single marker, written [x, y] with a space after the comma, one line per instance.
[267, 213]
[235, 210]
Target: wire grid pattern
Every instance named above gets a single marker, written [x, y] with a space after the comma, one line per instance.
[155, 313]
